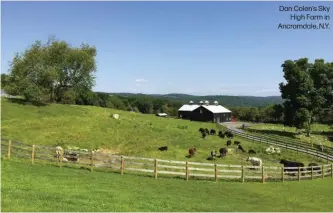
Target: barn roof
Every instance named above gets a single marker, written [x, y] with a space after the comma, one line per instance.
[188, 107]
[216, 108]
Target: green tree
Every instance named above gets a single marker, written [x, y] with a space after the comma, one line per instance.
[302, 99]
[52, 72]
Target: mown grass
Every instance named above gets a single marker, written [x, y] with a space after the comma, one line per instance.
[26, 187]
[134, 134]
[319, 134]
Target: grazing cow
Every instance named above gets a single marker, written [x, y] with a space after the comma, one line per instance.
[255, 161]
[287, 163]
[220, 132]
[241, 148]
[204, 135]
[236, 142]
[213, 153]
[201, 130]
[251, 151]
[163, 148]
[71, 156]
[228, 143]
[212, 132]
[207, 131]
[192, 151]
[229, 134]
[221, 136]
[223, 152]
[316, 167]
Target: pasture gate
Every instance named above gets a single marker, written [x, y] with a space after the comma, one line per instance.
[164, 168]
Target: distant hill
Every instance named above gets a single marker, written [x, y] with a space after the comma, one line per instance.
[225, 100]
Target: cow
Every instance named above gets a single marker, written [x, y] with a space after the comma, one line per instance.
[251, 151]
[210, 158]
[201, 130]
[220, 133]
[212, 132]
[204, 135]
[223, 152]
[287, 163]
[207, 131]
[255, 161]
[229, 134]
[163, 148]
[192, 151]
[228, 143]
[221, 136]
[241, 148]
[71, 156]
[213, 153]
[236, 142]
[315, 166]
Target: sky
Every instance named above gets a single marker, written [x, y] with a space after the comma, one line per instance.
[199, 48]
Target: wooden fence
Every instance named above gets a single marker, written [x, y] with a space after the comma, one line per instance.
[165, 168]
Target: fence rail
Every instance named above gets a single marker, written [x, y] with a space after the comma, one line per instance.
[159, 167]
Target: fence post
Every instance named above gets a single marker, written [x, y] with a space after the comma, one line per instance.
[9, 147]
[322, 171]
[186, 166]
[299, 173]
[155, 169]
[92, 161]
[282, 173]
[122, 165]
[243, 174]
[33, 154]
[311, 172]
[262, 174]
[215, 173]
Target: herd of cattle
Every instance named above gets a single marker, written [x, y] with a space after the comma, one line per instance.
[255, 161]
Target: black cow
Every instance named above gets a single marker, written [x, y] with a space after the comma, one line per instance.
[241, 148]
[236, 142]
[201, 130]
[316, 169]
[287, 163]
[204, 135]
[228, 143]
[207, 131]
[220, 132]
[163, 148]
[221, 136]
[229, 134]
[223, 152]
[251, 151]
[212, 132]
[210, 158]
[71, 156]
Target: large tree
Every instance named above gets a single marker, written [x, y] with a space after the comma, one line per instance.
[306, 92]
[51, 72]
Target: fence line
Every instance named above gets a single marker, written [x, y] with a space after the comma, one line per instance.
[299, 147]
[159, 167]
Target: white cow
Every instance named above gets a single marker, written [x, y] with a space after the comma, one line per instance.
[59, 152]
[255, 161]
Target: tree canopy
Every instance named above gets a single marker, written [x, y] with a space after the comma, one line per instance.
[51, 72]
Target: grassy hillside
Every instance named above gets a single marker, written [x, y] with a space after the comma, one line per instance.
[65, 189]
[134, 134]
[225, 100]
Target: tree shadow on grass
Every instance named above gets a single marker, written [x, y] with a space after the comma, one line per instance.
[25, 102]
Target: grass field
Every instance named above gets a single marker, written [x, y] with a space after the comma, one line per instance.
[134, 134]
[42, 188]
[320, 132]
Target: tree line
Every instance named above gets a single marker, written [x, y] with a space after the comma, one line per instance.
[56, 72]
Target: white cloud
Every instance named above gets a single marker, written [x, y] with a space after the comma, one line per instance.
[141, 80]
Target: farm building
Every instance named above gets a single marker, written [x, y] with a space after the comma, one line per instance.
[204, 112]
[162, 115]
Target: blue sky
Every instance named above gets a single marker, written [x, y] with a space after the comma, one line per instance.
[201, 48]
